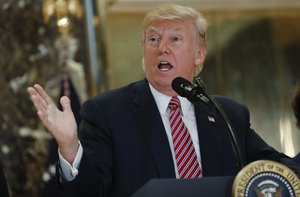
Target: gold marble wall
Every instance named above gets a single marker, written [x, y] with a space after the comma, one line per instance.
[124, 48]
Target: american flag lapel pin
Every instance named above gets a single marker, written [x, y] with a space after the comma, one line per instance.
[211, 119]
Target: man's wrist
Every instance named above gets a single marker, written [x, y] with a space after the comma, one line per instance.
[70, 170]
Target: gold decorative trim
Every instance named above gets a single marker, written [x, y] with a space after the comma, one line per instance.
[264, 178]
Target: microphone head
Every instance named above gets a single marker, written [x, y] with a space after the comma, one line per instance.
[194, 93]
[179, 85]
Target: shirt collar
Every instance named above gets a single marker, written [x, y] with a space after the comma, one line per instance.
[162, 101]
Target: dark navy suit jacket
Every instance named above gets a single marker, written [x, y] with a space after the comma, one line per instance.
[125, 143]
[3, 184]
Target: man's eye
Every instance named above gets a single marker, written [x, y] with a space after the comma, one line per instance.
[176, 38]
[153, 39]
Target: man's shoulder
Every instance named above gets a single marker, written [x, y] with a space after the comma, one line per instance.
[223, 100]
[230, 105]
[117, 95]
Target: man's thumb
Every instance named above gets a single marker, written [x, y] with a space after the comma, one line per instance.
[65, 103]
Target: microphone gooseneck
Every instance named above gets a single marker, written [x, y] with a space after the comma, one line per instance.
[196, 93]
[232, 132]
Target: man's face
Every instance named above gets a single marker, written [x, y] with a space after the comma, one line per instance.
[171, 50]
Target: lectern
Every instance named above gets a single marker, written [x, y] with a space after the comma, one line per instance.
[206, 187]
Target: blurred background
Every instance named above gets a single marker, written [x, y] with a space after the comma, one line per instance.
[83, 47]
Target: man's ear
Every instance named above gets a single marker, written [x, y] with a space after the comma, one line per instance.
[200, 56]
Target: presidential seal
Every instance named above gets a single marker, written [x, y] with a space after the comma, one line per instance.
[265, 178]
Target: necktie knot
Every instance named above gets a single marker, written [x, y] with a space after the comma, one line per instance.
[174, 103]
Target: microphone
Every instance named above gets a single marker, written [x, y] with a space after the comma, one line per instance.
[188, 90]
[232, 132]
[198, 92]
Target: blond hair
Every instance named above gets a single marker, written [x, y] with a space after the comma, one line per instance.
[176, 12]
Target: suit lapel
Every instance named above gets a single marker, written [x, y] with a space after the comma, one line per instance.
[210, 141]
[153, 129]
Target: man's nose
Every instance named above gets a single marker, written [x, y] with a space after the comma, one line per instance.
[163, 47]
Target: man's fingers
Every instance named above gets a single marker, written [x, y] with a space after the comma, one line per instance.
[41, 100]
[37, 103]
[43, 118]
[40, 90]
[65, 103]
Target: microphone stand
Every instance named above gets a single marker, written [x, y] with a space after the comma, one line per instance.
[232, 133]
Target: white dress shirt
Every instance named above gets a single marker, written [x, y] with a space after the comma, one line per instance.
[70, 171]
[188, 117]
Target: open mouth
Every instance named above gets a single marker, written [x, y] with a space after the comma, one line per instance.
[164, 66]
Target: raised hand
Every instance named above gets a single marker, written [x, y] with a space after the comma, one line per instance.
[61, 124]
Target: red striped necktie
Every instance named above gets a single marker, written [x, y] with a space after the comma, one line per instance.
[185, 154]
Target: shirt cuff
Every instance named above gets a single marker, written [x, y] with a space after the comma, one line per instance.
[70, 171]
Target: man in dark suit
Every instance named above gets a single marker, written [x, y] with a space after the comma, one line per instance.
[127, 136]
